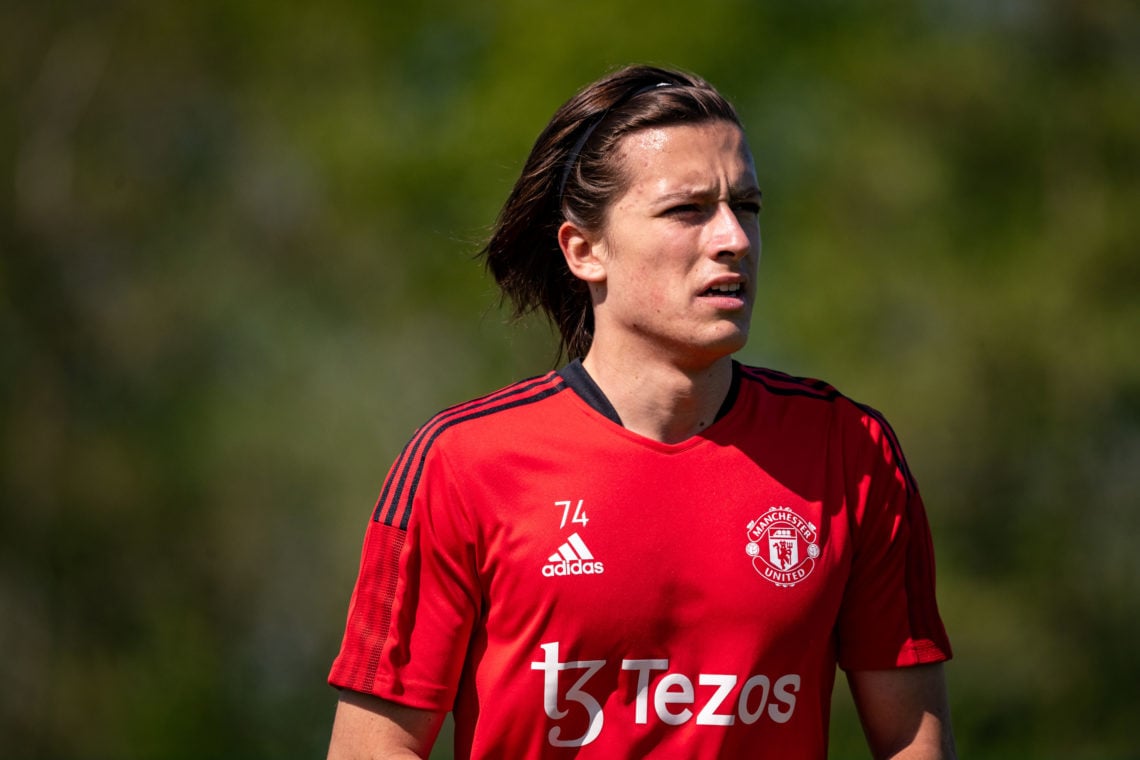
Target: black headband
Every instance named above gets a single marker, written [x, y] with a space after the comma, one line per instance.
[572, 156]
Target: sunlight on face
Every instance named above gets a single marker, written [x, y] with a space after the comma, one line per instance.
[681, 244]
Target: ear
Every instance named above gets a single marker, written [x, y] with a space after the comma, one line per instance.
[581, 252]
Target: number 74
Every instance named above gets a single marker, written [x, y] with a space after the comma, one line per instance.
[579, 517]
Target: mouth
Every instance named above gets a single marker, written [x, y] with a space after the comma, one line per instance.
[725, 290]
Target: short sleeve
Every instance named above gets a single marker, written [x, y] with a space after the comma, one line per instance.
[416, 595]
[889, 616]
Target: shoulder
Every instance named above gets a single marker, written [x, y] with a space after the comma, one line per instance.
[507, 406]
[811, 390]
[803, 394]
[860, 425]
[782, 384]
[474, 428]
[478, 424]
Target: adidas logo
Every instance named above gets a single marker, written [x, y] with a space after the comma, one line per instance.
[572, 558]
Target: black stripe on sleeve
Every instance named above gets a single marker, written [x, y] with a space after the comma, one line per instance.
[394, 506]
[788, 385]
[893, 442]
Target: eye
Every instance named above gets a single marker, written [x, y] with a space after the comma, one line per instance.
[684, 208]
[748, 207]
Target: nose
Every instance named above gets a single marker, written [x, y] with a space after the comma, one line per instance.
[729, 234]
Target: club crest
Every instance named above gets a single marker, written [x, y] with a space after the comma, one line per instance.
[783, 546]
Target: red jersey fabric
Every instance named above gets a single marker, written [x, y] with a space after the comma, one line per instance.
[572, 589]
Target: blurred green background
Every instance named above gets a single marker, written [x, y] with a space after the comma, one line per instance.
[236, 271]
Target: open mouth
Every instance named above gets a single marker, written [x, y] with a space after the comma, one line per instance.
[733, 289]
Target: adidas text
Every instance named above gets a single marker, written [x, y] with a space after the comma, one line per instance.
[572, 558]
[577, 567]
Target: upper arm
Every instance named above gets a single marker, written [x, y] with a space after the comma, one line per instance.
[370, 727]
[905, 712]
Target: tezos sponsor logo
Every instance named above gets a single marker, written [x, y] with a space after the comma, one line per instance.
[663, 696]
[783, 546]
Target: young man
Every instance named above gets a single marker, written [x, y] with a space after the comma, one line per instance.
[654, 551]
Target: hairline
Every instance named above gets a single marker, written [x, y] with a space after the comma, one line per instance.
[620, 158]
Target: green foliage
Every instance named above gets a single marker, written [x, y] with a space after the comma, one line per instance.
[236, 270]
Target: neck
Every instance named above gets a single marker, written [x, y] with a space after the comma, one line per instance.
[658, 399]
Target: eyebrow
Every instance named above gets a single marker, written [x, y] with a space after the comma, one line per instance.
[734, 193]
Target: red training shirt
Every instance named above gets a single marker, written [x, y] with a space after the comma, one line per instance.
[572, 589]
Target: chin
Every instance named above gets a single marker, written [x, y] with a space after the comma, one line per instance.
[719, 346]
[732, 338]
[731, 347]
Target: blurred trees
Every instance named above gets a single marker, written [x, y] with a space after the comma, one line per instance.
[236, 271]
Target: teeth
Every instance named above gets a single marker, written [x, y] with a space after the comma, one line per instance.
[730, 288]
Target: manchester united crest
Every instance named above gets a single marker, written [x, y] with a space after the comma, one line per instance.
[783, 546]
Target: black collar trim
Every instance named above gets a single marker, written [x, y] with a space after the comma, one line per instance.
[581, 383]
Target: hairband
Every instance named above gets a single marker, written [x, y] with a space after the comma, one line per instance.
[572, 156]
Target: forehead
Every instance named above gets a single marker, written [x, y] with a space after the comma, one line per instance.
[706, 156]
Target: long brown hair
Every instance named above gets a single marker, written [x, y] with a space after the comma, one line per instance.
[574, 173]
